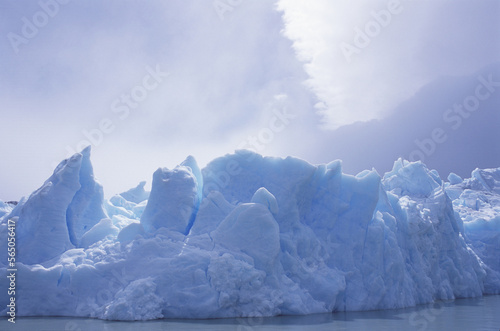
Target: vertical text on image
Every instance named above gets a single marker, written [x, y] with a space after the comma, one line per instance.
[11, 269]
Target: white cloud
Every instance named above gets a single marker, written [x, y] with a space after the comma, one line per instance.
[365, 57]
[223, 73]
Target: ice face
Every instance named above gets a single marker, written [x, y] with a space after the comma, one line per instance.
[86, 208]
[252, 230]
[213, 210]
[253, 236]
[98, 232]
[56, 216]
[173, 201]
[488, 178]
[477, 206]
[5, 208]
[42, 231]
[138, 301]
[265, 198]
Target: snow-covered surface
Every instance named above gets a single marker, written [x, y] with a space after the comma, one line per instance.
[252, 236]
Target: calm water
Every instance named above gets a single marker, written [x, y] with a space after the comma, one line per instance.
[464, 314]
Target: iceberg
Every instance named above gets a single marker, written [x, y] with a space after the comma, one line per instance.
[251, 236]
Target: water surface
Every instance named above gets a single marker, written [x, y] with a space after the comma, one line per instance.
[463, 314]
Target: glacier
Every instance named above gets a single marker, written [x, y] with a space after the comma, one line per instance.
[251, 236]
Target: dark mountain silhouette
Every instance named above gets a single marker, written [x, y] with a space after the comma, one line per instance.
[461, 147]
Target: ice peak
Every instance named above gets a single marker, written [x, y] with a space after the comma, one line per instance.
[86, 151]
[136, 194]
[411, 178]
[264, 197]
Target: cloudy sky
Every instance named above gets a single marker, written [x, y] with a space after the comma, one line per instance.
[148, 83]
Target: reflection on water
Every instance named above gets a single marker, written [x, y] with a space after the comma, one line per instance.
[464, 314]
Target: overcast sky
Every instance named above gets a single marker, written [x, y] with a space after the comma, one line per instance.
[149, 83]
